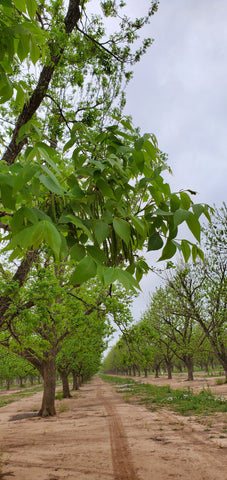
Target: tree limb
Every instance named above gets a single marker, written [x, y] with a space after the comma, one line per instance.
[15, 147]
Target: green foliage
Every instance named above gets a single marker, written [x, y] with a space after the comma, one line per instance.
[88, 182]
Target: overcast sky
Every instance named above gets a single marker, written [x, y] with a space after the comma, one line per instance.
[179, 93]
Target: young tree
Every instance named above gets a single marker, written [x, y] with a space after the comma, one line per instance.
[202, 287]
[13, 367]
[176, 323]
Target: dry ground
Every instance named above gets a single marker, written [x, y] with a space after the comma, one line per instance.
[98, 436]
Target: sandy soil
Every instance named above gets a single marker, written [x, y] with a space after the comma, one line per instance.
[96, 435]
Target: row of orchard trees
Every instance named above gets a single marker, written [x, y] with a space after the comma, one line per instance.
[186, 320]
[81, 191]
[55, 327]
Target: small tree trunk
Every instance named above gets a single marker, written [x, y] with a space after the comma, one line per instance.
[134, 371]
[156, 372]
[169, 369]
[76, 384]
[145, 372]
[189, 365]
[65, 384]
[7, 384]
[225, 370]
[48, 373]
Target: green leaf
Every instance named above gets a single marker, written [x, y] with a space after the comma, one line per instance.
[194, 226]
[31, 8]
[104, 187]
[139, 225]
[155, 242]
[127, 280]
[194, 252]
[185, 200]
[20, 96]
[7, 197]
[150, 149]
[168, 251]
[34, 52]
[102, 230]
[52, 237]
[85, 270]
[24, 238]
[77, 252]
[200, 253]
[33, 236]
[174, 203]
[6, 92]
[122, 228]
[50, 184]
[139, 143]
[23, 47]
[110, 276]
[20, 5]
[19, 216]
[197, 209]
[77, 222]
[180, 216]
[139, 159]
[48, 154]
[185, 248]
[96, 254]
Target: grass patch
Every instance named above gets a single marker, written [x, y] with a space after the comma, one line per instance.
[184, 402]
[62, 408]
[220, 381]
[59, 396]
[6, 399]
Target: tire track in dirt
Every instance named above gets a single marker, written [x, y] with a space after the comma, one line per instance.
[121, 458]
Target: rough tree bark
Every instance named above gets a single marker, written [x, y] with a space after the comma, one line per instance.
[65, 384]
[48, 372]
[76, 381]
[190, 367]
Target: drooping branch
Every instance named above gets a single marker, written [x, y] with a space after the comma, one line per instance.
[15, 146]
[20, 277]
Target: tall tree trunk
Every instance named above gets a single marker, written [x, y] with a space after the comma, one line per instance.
[225, 370]
[76, 383]
[65, 384]
[169, 369]
[156, 372]
[190, 368]
[49, 377]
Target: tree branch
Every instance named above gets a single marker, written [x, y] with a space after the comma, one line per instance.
[15, 147]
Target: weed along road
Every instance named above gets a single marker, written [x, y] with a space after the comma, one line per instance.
[99, 434]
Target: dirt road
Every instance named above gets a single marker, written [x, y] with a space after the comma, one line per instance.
[98, 436]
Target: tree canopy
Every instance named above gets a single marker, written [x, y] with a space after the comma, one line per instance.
[81, 189]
